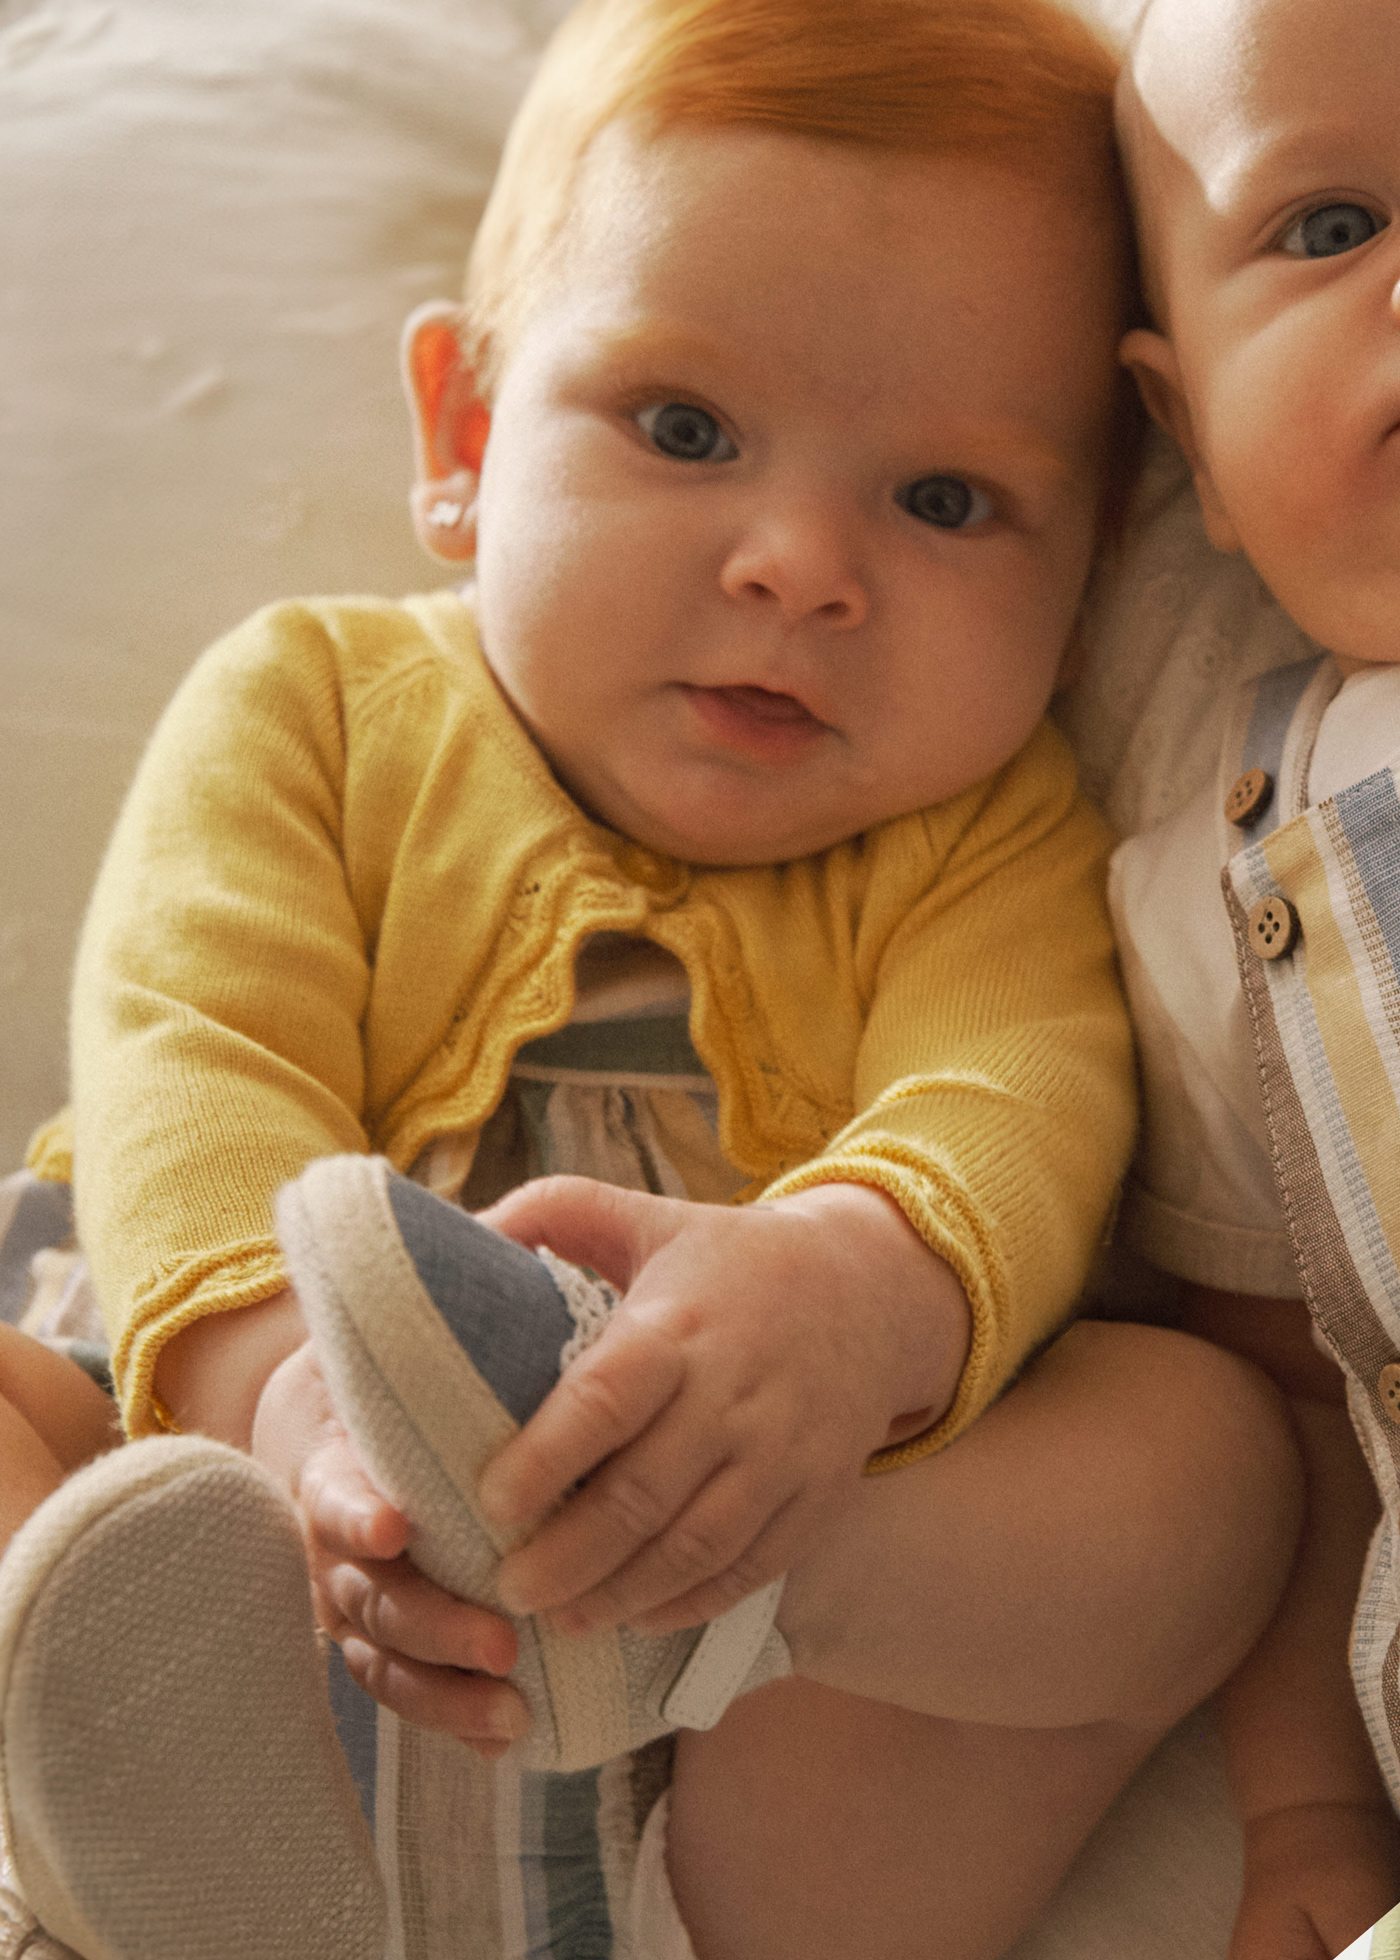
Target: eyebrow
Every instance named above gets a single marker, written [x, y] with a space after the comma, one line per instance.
[658, 343]
[1249, 165]
[1024, 444]
[994, 441]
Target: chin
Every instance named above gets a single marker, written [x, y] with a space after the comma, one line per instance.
[722, 846]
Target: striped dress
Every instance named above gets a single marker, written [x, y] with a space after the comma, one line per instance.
[484, 1861]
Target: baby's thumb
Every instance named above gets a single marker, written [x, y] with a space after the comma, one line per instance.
[611, 1231]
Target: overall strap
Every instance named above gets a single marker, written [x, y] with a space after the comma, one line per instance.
[1314, 903]
[1269, 740]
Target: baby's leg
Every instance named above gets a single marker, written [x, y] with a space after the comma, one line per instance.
[815, 1826]
[1104, 1544]
[53, 1419]
[1046, 1599]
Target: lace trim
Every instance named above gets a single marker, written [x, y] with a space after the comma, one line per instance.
[590, 1303]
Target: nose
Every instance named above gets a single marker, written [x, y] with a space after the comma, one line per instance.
[799, 559]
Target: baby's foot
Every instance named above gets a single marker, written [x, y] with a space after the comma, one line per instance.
[171, 1783]
[439, 1339]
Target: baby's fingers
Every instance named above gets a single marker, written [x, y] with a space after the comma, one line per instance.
[483, 1713]
[393, 1606]
[716, 1552]
[768, 1557]
[343, 1513]
[605, 1399]
[631, 1502]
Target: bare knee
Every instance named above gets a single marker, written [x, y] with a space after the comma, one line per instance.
[1211, 1462]
[1102, 1546]
[53, 1397]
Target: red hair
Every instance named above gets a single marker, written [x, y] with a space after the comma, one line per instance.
[1019, 81]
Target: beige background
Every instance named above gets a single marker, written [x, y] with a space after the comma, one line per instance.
[215, 220]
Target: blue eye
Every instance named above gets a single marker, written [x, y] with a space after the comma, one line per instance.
[945, 501]
[1329, 231]
[690, 434]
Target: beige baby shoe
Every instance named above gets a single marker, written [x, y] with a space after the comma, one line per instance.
[21, 1935]
[171, 1786]
[439, 1338]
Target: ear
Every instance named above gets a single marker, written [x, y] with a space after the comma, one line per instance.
[1151, 359]
[450, 427]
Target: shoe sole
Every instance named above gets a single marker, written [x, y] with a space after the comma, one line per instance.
[171, 1784]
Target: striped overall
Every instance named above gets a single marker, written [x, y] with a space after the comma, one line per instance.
[1314, 901]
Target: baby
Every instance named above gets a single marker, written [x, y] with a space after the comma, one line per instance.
[1263, 138]
[710, 848]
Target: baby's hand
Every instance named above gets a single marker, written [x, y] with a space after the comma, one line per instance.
[1316, 1876]
[429, 1657]
[759, 1356]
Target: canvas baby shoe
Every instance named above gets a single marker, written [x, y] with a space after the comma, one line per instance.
[21, 1935]
[439, 1339]
[170, 1780]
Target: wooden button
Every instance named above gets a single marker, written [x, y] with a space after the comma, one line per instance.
[1388, 1388]
[1273, 928]
[1250, 796]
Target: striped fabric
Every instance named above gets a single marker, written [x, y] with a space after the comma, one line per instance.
[1326, 1024]
[44, 1284]
[482, 1861]
[485, 1861]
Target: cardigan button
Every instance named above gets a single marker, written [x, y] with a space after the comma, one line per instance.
[655, 874]
[1250, 796]
[1388, 1389]
[1274, 928]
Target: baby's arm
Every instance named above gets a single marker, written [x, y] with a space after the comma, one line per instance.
[761, 1356]
[1322, 1848]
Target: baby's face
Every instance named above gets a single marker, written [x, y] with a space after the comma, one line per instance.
[1265, 142]
[792, 484]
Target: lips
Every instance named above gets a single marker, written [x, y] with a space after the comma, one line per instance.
[764, 705]
[760, 722]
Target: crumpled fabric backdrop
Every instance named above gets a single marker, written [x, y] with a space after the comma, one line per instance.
[214, 222]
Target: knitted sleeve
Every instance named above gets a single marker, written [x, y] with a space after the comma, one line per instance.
[995, 1083]
[219, 988]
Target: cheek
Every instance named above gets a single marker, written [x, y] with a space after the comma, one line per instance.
[1040, 617]
[539, 568]
[1277, 442]
[991, 671]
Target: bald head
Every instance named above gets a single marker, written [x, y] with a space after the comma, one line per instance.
[1263, 146]
[1221, 101]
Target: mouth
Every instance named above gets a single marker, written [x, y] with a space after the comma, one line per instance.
[760, 720]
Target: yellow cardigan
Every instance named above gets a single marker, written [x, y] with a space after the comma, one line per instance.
[345, 887]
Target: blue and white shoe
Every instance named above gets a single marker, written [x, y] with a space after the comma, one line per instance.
[439, 1339]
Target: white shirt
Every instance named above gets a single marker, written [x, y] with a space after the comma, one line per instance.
[1202, 1202]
